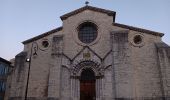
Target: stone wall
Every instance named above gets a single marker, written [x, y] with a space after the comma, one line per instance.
[19, 76]
[122, 69]
[163, 51]
[145, 69]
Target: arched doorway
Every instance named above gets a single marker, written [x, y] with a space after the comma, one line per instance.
[87, 85]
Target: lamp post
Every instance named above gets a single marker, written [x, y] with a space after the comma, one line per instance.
[29, 65]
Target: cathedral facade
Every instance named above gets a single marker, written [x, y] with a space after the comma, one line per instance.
[91, 57]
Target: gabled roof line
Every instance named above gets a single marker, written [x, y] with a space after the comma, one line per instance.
[43, 35]
[138, 29]
[108, 12]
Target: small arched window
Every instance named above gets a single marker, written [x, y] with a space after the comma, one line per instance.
[87, 32]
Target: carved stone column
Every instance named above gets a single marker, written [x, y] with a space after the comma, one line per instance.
[99, 89]
[75, 88]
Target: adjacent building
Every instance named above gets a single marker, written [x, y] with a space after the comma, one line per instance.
[4, 72]
[92, 57]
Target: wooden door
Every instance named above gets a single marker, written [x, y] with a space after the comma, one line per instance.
[87, 86]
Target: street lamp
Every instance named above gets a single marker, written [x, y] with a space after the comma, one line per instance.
[27, 60]
[29, 65]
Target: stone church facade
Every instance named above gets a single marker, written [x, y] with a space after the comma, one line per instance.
[91, 57]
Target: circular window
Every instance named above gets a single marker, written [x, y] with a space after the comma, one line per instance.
[137, 39]
[87, 32]
[45, 44]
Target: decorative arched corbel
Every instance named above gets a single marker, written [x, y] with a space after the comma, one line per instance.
[77, 69]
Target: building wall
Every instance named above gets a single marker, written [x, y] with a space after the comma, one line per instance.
[4, 72]
[164, 62]
[143, 67]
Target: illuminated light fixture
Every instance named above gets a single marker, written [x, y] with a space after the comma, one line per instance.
[28, 60]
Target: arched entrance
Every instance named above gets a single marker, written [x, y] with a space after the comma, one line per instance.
[87, 85]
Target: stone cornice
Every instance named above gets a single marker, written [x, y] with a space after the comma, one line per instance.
[43, 35]
[108, 12]
[138, 29]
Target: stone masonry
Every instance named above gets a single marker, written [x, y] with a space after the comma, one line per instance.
[128, 63]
